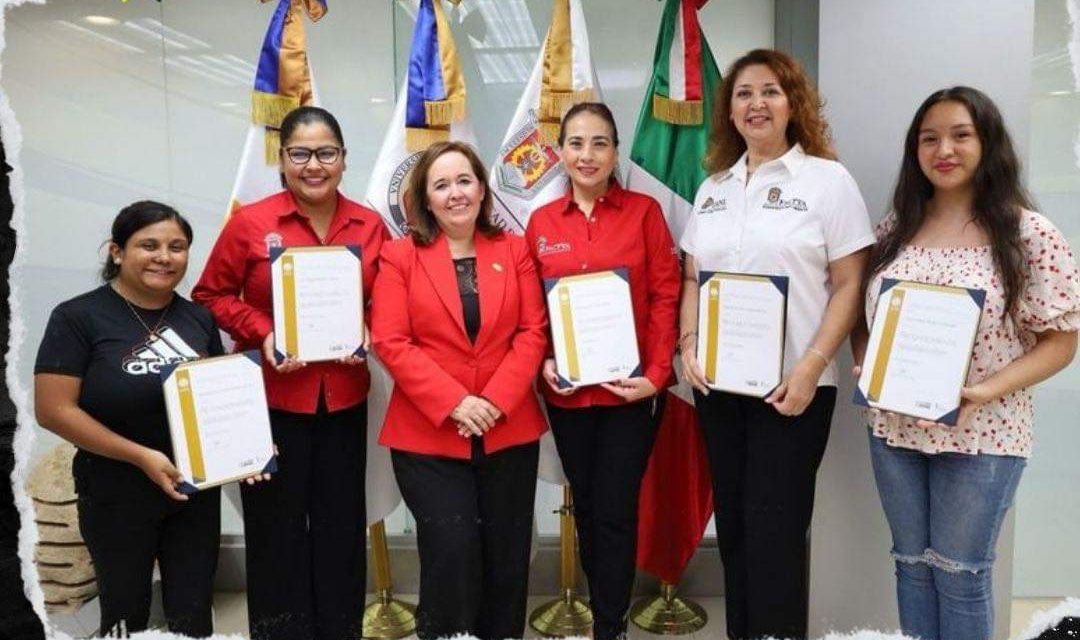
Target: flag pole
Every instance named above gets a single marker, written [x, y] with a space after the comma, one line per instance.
[668, 614]
[387, 618]
[568, 615]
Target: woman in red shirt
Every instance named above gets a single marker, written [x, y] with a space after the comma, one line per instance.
[459, 322]
[305, 531]
[605, 433]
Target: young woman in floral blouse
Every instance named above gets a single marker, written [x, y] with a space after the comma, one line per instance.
[961, 217]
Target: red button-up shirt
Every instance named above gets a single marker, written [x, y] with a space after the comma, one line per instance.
[626, 229]
[235, 286]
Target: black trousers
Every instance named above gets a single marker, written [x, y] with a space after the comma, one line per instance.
[473, 532]
[764, 466]
[604, 451]
[125, 537]
[306, 530]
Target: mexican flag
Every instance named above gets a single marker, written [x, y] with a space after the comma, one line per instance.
[666, 163]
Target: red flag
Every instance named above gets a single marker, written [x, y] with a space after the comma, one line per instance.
[676, 494]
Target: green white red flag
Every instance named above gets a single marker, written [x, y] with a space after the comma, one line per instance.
[666, 163]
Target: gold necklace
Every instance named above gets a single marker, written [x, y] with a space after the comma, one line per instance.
[150, 333]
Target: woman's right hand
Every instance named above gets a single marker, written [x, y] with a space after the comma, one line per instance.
[474, 416]
[161, 471]
[691, 368]
[551, 377]
[288, 365]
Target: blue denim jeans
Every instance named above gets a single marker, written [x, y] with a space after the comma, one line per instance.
[945, 512]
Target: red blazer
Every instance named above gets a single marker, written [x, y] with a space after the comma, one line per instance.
[418, 331]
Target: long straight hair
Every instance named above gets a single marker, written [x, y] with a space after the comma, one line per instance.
[999, 194]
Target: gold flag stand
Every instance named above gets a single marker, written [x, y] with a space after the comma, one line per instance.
[668, 614]
[569, 615]
[386, 618]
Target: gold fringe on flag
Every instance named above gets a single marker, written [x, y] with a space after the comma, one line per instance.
[555, 104]
[272, 146]
[442, 112]
[270, 108]
[684, 112]
[418, 139]
[549, 132]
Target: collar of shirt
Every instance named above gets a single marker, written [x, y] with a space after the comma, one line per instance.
[613, 197]
[287, 207]
[790, 162]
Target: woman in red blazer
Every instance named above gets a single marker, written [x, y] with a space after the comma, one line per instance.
[459, 321]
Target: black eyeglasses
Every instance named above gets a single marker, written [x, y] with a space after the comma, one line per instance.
[302, 155]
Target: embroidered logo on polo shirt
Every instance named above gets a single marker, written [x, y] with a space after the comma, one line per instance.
[272, 240]
[543, 248]
[774, 201]
[712, 205]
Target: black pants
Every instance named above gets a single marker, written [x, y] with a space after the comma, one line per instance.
[764, 467]
[306, 530]
[604, 451]
[473, 531]
[125, 537]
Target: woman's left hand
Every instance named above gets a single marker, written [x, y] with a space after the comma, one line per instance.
[796, 390]
[631, 389]
[971, 398]
[259, 477]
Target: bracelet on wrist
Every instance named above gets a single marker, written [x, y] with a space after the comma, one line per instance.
[819, 353]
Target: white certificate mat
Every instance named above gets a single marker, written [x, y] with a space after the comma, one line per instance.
[741, 325]
[218, 420]
[592, 328]
[318, 297]
[919, 350]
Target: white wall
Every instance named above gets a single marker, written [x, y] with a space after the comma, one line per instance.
[877, 62]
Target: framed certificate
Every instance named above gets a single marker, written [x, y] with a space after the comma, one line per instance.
[318, 298]
[919, 350]
[592, 328]
[218, 420]
[741, 328]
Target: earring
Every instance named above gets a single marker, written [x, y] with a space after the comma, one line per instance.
[116, 261]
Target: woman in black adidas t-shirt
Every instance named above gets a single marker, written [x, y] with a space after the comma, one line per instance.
[96, 384]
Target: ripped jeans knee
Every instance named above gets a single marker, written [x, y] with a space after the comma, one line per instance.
[958, 578]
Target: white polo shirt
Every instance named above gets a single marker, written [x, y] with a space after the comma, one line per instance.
[797, 214]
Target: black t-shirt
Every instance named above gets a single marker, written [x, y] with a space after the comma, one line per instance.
[96, 337]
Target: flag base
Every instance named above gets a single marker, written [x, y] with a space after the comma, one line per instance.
[389, 619]
[386, 618]
[668, 614]
[570, 615]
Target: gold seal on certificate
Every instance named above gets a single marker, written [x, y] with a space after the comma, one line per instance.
[218, 420]
[318, 297]
[919, 349]
[741, 322]
[592, 328]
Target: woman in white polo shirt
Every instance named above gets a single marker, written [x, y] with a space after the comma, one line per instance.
[777, 203]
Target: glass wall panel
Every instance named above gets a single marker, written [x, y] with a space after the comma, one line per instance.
[1046, 560]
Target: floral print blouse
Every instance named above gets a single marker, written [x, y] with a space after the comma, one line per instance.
[1050, 300]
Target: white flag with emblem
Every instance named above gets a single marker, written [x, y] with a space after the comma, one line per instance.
[527, 173]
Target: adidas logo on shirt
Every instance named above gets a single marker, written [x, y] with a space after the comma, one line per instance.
[165, 347]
